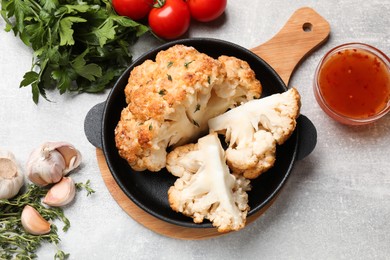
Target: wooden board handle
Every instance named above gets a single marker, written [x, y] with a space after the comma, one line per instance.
[303, 32]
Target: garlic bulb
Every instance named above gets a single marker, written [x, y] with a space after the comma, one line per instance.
[61, 193]
[11, 177]
[33, 222]
[51, 161]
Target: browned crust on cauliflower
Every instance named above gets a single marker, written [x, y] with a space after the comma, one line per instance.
[156, 87]
[171, 99]
[257, 160]
[177, 154]
[131, 143]
[240, 77]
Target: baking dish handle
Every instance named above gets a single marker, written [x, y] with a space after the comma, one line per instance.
[307, 137]
[93, 125]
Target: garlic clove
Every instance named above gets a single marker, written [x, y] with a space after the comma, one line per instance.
[51, 161]
[45, 165]
[71, 155]
[33, 222]
[61, 193]
[11, 176]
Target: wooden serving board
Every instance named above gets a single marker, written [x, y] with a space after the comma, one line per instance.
[149, 221]
[304, 31]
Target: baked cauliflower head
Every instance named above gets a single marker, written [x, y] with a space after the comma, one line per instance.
[253, 130]
[171, 99]
[205, 188]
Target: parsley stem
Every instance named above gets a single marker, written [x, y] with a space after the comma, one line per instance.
[38, 8]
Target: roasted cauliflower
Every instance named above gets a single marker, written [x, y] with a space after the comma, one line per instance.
[253, 130]
[171, 99]
[205, 188]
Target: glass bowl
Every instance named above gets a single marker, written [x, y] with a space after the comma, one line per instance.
[352, 83]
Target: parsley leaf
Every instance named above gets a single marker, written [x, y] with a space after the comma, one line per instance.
[29, 78]
[66, 31]
[89, 71]
[105, 32]
[78, 45]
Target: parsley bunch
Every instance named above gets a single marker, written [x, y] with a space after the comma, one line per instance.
[15, 243]
[80, 46]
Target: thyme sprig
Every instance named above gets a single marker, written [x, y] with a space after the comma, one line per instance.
[15, 242]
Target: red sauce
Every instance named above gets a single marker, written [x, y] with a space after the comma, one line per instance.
[355, 83]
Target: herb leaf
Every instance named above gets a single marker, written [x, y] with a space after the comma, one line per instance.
[197, 108]
[162, 92]
[15, 243]
[78, 45]
[66, 31]
[186, 64]
[105, 32]
[29, 78]
[88, 71]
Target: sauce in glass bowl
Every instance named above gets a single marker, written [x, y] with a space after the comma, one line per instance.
[352, 83]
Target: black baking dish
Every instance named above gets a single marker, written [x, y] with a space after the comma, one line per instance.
[148, 190]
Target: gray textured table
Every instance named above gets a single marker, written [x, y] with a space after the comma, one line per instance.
[336, 205]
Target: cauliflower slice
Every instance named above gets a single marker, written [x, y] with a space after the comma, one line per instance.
[205, 188]
[171, 99]
[253, 130]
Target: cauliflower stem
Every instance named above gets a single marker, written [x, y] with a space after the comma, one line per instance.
[253, 130]
[205, 188]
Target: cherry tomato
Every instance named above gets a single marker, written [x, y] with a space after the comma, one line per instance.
[206, 10]
[171, 20]
[134, 9]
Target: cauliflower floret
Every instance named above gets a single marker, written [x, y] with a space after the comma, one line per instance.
[240, 80]
[253, 130]
[206, 189]
[171, 99]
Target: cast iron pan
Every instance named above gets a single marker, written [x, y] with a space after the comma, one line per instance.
[148, 190]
